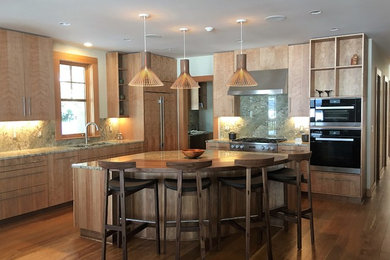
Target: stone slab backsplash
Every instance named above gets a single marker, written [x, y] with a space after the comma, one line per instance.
[37, 134]
[263, 116]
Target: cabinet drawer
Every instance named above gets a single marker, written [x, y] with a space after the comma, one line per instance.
[22, 163]
[292, 148]
[336, 183]
[16, 202]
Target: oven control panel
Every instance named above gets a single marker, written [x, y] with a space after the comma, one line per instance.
[251, 147]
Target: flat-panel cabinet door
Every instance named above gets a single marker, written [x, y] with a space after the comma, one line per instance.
[11, 76]
[152, 121]
[170, 122]
[38, 77]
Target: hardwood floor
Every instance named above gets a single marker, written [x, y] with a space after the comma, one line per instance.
[343, 231]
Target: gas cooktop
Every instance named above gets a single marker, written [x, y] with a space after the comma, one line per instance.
[259, 140]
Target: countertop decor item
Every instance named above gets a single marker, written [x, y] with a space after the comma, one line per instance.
[319, 92]
[354, 59]
[192, 153]
[241, 78]
[328, 91]
[146, 77]
[232, 136]
[184, 81]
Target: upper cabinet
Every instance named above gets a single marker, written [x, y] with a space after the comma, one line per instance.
[337, 65]
[26, 77]
[298, 80]
[274, 57]
[117, 85]
[224, 105]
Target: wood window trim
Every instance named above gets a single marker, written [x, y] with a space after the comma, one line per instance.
[205, 78]
[91, 80]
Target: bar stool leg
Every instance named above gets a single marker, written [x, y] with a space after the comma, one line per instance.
[165, 220]
[157, 217]
[259, 198]
[299, 208]
[310, 204]
[178, 213]
[200, 213]
[123, 214]
[266, 213]
[219, 216]
[118, 221]
[285, 202]
[105, 215]
[248, 213]
[210, 219]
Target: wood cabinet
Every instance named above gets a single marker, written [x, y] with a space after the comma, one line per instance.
[274, 57]
[26, 77]
[298, 81]
[223, 104]
[23, 185]
[331, 67]
[199, 97]
[60, 177]
[117, 85]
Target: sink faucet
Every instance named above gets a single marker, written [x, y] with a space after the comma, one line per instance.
[86, 130]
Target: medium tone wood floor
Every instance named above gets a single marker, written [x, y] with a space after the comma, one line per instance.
[343, 231]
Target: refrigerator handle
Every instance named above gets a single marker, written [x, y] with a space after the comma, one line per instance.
[162, 122]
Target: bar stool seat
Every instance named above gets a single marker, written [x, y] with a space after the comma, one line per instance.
[189, 185]
[183, 187]
[240, 182]
[121, 187]
[131, 184]
[295, 177]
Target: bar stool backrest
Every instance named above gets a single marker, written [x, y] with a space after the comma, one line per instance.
[299, 156]
[255, 162]
[116, 165]
[189, 165]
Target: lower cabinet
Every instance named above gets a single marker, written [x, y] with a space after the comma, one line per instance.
[61, 177]
[217, 146]
[23, 185]
[35, 182]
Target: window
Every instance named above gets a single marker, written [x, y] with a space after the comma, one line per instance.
[76, 95]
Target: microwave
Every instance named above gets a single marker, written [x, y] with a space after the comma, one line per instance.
[335, 112]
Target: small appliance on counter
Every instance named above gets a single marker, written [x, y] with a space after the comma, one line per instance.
[232, 136]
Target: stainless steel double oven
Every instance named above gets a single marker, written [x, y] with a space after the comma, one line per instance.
[335, 134]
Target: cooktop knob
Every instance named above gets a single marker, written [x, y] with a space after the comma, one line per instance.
[242, 146]
[263, 148]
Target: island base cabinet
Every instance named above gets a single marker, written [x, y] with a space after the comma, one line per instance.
[23, 185]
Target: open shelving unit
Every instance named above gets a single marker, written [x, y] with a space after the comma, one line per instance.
[331, 68]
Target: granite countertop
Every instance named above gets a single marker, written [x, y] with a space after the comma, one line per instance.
[61, 149]
[286, 143]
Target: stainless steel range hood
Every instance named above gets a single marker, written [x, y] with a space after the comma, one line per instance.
[269, 82]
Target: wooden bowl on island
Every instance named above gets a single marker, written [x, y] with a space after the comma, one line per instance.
[192, 153]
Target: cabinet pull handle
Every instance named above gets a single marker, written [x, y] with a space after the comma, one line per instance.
[29, 106]
[233, 106]
[289, 104]
[24, 105]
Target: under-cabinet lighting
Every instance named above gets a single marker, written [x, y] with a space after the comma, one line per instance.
[16, 125]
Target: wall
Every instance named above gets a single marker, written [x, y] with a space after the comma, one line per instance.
[377, 58]
[101, 56]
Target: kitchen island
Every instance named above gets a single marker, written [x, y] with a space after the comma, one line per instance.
[88, 190]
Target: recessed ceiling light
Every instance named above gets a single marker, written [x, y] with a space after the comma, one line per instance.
[64, 23]
[127, 39]
[334, 29]
[315, 12]
[88, 44]
[275, 18]
[209, 28]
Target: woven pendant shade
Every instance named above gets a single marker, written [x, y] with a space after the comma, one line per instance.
[184, 81]
[146, 77]
[241, 78]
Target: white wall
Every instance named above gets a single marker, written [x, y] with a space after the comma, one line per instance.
[101, 56]
[377, 59]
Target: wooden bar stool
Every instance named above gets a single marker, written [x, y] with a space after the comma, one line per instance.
[183, 187]
[122, 187]
[295, 177]
[248, 185]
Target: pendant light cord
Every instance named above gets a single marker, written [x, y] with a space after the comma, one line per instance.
[184, 40]
[144, 33]
[241, 37]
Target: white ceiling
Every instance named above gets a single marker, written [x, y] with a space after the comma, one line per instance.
[106, 23]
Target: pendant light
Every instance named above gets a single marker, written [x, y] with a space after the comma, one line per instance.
[241, 78]
[146, 77]
[184, 81]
